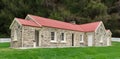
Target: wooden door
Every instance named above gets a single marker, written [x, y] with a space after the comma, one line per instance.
[37, 37]
[72, 39]
[90, 40]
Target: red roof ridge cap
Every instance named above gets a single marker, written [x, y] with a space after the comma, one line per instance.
[23, 19]
[90, 23]
[29, 22]
[53, 19]
[34, 20]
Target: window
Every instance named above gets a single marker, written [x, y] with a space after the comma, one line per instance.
[53, 36]
[101, 39]
[15, 35]
[62, 37]
[81, 38]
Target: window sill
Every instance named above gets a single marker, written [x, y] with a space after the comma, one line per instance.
[53, 41]
[101, 41]
[81, 41]
[63, 41]
[14, 40]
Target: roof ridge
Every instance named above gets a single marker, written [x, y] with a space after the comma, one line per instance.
[33, 20]
[53, 19]
[23, 21]
[59, 24]
[57, 21]
[90, 23]
[63, 21]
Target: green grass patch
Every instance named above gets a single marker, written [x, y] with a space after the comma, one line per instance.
[112, 52]
[4, 45]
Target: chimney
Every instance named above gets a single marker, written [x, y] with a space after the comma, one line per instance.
[73, 22]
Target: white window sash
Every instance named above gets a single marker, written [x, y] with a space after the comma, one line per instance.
[64, 38]
[55, 38]
[15, 35]
[81, 39]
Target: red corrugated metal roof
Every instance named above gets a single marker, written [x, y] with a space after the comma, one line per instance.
[56, 24]
[89, 27]
[27, 22]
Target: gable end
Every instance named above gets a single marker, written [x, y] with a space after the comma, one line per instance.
[28, 17]
[14, 22]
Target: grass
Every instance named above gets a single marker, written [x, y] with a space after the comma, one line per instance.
[4, 45]
[112, 52]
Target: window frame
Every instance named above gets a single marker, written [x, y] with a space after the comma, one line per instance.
[81, 38]
[101, 39]
[15, 35]
[63, 37]
[54, 37]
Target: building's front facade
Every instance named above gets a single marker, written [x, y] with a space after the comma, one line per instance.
[35, 31]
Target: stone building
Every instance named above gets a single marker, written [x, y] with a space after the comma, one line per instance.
[35, 31]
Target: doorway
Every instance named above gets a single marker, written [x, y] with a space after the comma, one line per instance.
[37, 37]
[72, 39]
[90, 40]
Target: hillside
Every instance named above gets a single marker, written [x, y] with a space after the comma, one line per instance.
[81, 11]
[112, 52]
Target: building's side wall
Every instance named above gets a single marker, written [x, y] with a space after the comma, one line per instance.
[100, 34]
[45, 32]
[108, 38]
[45, 37]
[18, 42]
[28, 36]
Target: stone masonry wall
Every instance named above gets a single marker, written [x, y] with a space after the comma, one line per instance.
[101, 31]
[45, 32]
[108, 35]
[26, 37]
[18, 42]
[29, 36]
[45, 37]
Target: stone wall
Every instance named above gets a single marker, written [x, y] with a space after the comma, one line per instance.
[109, 35]
[18, 42]
[45, 32]
[101, 33]
[28, 36]
[45, 37]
